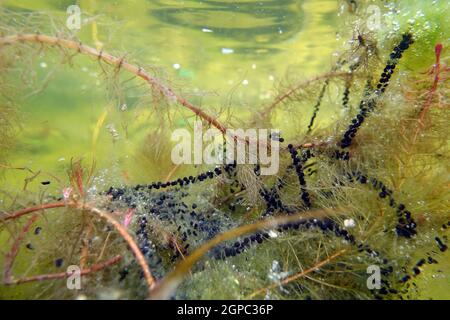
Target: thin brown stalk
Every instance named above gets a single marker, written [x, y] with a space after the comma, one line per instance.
[61, 275]
[152, 81]
[117, 62]
[171, 173]
[25, 211]
[128, 238]
[436, 70]
[12, 254]
[85, 241]
[298, 275]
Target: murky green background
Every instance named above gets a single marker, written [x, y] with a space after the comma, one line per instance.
[229, 54]
[222, 54]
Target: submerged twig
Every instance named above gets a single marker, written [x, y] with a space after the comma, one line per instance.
[51, 276]
[436, 70]
[118, 63]
[19, 213]
[12, 254]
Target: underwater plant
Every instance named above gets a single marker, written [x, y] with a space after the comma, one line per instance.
[364, 189]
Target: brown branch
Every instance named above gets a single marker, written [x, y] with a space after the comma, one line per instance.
[85, 241]
[25, 211]
[12, 254]
[94, 268]
[299, 275]
[119, 63]
[128, 238]
[152, 81]
[436, 70]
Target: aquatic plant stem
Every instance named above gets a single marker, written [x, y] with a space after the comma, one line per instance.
[85, 241]
[165, 288]
[19, 213]
[51, 276]
[12, 254]
[436, 70]
[127, 237]
[171, 173]
[119, 63]
[104, 215]
[154, 82]
[298, 275]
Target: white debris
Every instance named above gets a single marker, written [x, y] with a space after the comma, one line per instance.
[349, 223]
[113, 131]
[273, 234]
[276, 275]
[227, 51]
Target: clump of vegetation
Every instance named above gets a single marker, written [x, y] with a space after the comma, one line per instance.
[369, 189]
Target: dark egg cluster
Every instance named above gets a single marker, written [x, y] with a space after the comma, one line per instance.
[196, 224]
[298, 162]
[356, 123]
[370, 103]
[406, 226]
[393, 60]
[118, 192]
[273, 201]
[317, 105]
[345, 96]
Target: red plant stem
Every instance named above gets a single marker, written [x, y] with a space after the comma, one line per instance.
[128, 238]
[432, 91]
[118, 62]
[94, 268]
[12, 254]
[25, 211]
[152, 81]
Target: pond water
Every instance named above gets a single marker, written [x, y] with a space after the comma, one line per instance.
[227, 57]
[223, 54]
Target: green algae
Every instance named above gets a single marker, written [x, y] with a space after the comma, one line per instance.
[418, 174]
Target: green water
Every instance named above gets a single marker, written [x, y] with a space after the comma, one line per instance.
[219, 54]
[222, 54]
